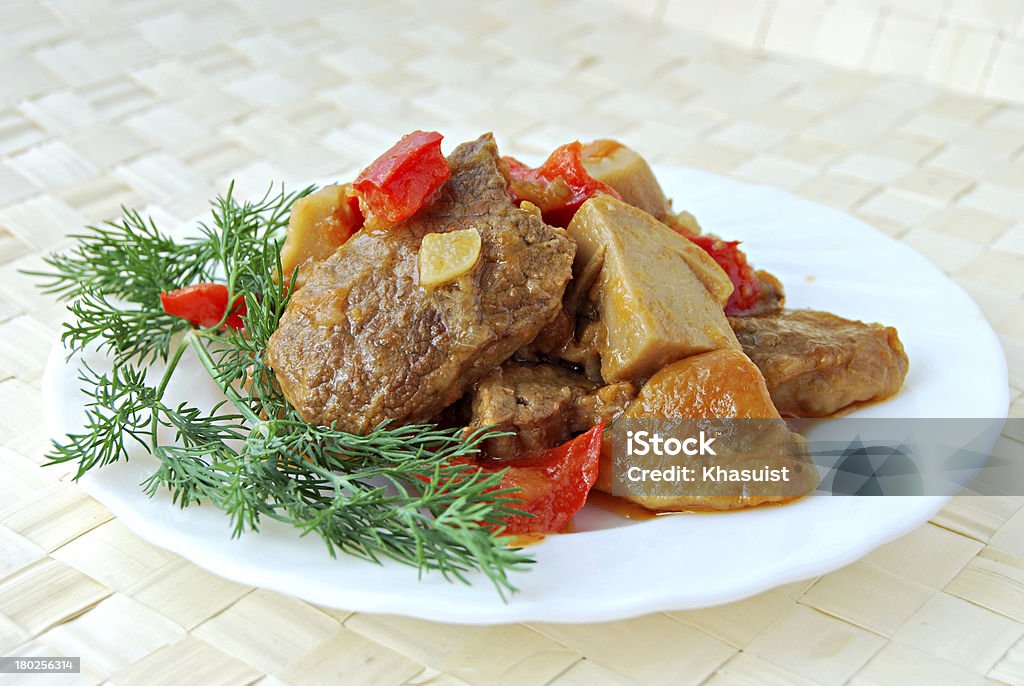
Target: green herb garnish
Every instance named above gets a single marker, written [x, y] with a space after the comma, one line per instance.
[394, 493]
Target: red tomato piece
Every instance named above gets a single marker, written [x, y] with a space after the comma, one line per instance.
[746, 286]
[204, 304]
[357, 212]
[559, 186]
[553, 484]
[402, 180]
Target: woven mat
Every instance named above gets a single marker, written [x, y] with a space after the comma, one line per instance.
[157, 104]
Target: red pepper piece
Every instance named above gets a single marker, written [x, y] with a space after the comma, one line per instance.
[559, 186]
[553, 484]
[204, 304]
[357, 212]
[401, 181]
[746, 286]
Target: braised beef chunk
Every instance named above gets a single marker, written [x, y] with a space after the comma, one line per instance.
[567, 337]
[584, 348]
[816, 364]
[544, 404]
[550, 340]
[773, 295]
[606, 403]
[363, 342]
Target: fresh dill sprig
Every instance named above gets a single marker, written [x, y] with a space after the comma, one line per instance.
[129, 259]
[407, 493]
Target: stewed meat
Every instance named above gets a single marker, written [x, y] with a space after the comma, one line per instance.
[363, 341]
[543, 404]
[817, 364]
[773, 295]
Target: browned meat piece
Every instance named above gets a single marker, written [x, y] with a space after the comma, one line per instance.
[605, 403]
[773, 295]
[363, 342]
[817, 364]
[584, 348]
[543, 404]
[573, 335]
[550, 339]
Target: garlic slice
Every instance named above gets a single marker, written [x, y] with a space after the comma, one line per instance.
[446, 256]
[528, 206]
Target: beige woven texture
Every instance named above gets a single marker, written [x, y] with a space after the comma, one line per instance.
[971, 46]
[157, 104]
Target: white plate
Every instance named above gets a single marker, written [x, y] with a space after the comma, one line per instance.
[615, 568]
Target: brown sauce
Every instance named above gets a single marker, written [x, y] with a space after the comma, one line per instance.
[841, 412]
[624, 508]
[631, 511]
[853, 407]
[523, 540]
[621, 506]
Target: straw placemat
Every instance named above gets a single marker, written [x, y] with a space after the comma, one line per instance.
[156, 105]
